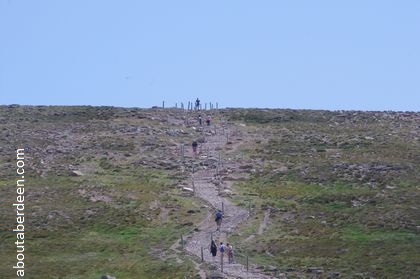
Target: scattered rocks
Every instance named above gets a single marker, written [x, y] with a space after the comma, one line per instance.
[368, 172]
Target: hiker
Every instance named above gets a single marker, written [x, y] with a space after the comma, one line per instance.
[197, 104]
[194, 147]
[230, 252]
[208, 120]
[222, 248]
[218, 219]
[200, 119]
[213, 249]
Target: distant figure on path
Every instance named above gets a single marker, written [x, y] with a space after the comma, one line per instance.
[230, 252]
[208, 120]
[213, 249]
[218, 219]
[200, 120]
[194, 147]
[222, 248]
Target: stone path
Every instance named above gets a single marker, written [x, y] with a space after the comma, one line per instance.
[206, 189]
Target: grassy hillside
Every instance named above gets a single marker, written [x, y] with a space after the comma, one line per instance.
[104, 191]
[101, 192]
[342, 189]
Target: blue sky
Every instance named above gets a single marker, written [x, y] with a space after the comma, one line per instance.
[361, 55]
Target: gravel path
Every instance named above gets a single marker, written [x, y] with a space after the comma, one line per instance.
[206, 189]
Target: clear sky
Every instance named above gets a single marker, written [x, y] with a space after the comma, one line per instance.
[359, 54]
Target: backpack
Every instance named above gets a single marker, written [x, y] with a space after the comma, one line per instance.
[219, 215]
[222, 248]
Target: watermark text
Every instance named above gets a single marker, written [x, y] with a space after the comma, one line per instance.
[19, 206]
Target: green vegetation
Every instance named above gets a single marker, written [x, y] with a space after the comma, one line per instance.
[70, 236]
[120, 216]
[343, 198]
[103, 195]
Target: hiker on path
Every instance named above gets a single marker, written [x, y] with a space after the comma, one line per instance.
[200, 120]
[213, 249]
[208, 120]
[230, 252]
[218, 219]
[222, 249]
[194, 147]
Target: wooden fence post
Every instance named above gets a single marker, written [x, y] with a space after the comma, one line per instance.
[183, 151]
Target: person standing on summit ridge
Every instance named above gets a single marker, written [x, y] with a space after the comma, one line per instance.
[197, 104]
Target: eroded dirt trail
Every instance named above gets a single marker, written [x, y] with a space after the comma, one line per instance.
[206, 187]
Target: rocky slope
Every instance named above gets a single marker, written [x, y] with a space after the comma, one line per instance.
[320, 194]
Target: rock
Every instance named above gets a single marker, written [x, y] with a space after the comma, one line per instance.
[107, 277]
[173, 132]
[271, 268]
[76, 173]
[215, 275]
[226, 193]
[333, 275]
[282, 169]
[316, 270]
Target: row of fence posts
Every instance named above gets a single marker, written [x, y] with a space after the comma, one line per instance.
[191, 106]
[222, 262]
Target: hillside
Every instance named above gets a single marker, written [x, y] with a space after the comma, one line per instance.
[308, 194]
